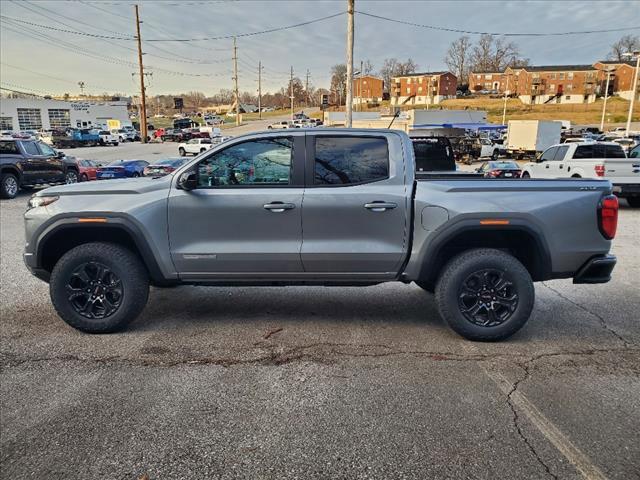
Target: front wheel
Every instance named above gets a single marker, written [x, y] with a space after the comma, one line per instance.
[71, 177]
[485, 294]
[202, 150]
[99, 287]
[526, 175]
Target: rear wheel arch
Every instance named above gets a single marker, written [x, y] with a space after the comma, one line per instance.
[521, 241]
[13, 171]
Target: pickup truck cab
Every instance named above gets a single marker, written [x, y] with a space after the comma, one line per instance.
[590, 160]
[330, 207]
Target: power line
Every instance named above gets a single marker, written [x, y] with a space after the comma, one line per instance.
[86, 34]
[249, 34]
[495, 34]
[51, 76]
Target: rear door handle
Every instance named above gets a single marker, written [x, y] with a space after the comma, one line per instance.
[380, 206]
[278, 207]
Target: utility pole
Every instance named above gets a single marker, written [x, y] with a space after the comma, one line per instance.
[349, 101]
[260, 89]
[306, 89]
[504, 107]
[143, 100]
[606, 95]
[235, 79]
[291, 91]
[360, 86]
[634, 91]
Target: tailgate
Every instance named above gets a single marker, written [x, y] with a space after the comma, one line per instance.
[622, 170]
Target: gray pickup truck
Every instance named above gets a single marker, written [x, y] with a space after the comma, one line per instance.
[319, 207]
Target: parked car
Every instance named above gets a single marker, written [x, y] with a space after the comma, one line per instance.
[590, 160]
[163, 167]
[108, 138]
[197, 133]
[87, 169]
[213, 120]
[121, 169]
[490, 149]
[280, 125]
[26, 163]
[368, 218]
[175, 135]
[500, 169]
[195, 146]
[433, 154]
[124, 135]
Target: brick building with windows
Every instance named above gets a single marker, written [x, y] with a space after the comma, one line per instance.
[621, 80]
[487, 81]
[426, 88]
[367, 89]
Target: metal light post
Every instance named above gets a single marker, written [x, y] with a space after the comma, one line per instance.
[606, 95]
[634, 90]
[504, 107]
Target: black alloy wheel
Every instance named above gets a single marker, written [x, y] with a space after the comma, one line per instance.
[94, 291]
[487, 298]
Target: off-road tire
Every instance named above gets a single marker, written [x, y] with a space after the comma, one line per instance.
[9, 185]
[459, 269]
[123, 263]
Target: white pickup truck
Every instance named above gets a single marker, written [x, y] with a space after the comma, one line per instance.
[590, 160]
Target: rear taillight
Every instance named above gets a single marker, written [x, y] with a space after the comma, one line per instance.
[599, 170]
[608, 216]
[495, 173]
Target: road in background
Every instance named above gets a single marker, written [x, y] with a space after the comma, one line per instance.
[320, 382]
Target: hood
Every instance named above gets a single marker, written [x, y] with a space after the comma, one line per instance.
[128, 186]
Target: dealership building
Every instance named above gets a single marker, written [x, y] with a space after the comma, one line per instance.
[44, 114]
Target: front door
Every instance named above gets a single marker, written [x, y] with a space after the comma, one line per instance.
[543, 167]
[244, 217]
[355, 211]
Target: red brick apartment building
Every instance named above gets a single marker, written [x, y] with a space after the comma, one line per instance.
[367, 89]
[426, 88]
[557, 83]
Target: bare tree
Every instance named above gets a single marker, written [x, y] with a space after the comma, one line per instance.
[490, 54]
[458, 58]
[626, 44]
[194, 99]
[339, 82]
[367, 67]
[392, 67]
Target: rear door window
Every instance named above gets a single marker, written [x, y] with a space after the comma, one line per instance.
[561, 152]
[31, 148]
[9, 147]
[613, 151]
[583, 152]
[350, 160]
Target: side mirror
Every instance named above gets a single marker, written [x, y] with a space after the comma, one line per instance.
[60, 154]
[188, 180]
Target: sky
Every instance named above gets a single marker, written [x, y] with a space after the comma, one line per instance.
[45, 61]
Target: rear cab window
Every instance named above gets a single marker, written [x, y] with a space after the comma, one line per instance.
[350, 160]
[433, 154]
[9, 147]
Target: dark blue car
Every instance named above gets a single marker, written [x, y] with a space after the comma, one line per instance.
[122, 169]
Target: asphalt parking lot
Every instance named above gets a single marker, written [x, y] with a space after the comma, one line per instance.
[315, 382]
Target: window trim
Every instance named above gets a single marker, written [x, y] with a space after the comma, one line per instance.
[297, 164]
[311, 161]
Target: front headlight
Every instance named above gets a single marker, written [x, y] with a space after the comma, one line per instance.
[36, 201]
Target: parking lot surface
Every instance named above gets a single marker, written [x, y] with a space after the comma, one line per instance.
[313, 382]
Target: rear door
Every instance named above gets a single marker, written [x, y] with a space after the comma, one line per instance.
[355, 212]
[244, 217]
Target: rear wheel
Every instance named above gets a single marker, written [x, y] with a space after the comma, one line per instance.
[485, 294]
[99, 287]
[182, 152]
[84, 177]
[526, 175]
[202, 150]
[494, 155]
[135, 175]
[634, 202]
[9, 185]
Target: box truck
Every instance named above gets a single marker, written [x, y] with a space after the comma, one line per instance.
[529, 137]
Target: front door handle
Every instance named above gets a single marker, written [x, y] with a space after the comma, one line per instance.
[380, 206]
[278, 207]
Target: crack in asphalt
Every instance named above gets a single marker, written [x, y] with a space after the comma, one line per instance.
[600, 318]
[516, 419]
[277, 355]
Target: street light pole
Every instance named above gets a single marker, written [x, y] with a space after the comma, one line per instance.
[634, 91]
[349, 100]
[504, 107]
[606, 95]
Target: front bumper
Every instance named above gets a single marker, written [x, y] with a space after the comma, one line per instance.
[31, 263]
[596, 270]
